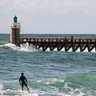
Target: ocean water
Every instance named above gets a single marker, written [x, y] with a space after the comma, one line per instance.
[49, 73]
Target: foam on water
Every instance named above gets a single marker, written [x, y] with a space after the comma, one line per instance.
[24, 47]
[10, 92]
[63, 87]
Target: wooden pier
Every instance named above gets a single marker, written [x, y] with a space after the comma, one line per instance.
[43, 44]
[61, 43]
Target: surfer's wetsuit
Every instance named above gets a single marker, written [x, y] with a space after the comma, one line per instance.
[23, 81]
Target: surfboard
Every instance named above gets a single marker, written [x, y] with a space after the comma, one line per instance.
[32, 93]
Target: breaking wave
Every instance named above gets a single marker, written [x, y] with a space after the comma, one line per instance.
[10, 92]
[66, 86]
[24, 47]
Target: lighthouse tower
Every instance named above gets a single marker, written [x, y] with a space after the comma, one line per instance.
[15, 32]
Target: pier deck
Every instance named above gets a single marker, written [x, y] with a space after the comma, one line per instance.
[61, 43]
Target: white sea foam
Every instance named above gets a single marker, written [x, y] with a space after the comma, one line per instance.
[78, 91]
[68, 90]
[1, 86]
[25, 47]
[19, 92]
[10, 92]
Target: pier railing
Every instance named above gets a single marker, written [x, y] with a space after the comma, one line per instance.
[61, 43]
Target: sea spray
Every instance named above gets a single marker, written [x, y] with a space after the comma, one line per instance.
[27, 48]
[23, 48]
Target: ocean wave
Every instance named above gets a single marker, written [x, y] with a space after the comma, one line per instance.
[79, 85]
[10, 92]
[22, 48]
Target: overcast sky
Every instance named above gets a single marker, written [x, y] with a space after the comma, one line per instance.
[49, 16]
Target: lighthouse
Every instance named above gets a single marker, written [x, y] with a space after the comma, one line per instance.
[15, 32]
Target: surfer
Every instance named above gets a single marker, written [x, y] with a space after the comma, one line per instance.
[23, 82]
